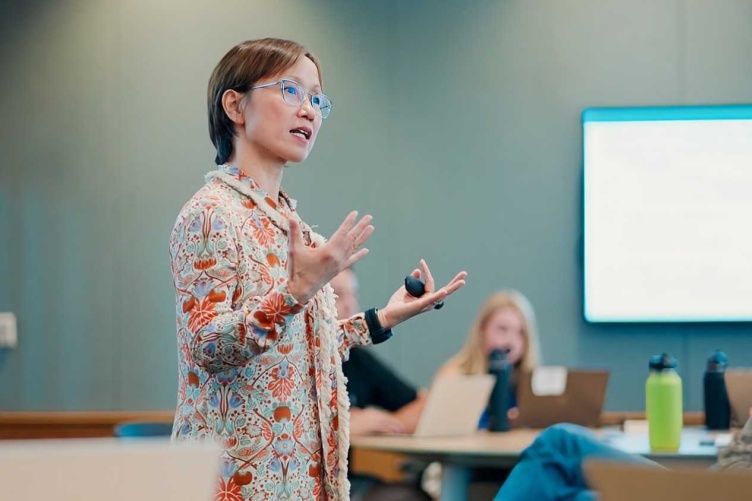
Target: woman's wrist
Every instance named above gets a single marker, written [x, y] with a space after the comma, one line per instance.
[383, 319]
[299, 290]
[378, 332]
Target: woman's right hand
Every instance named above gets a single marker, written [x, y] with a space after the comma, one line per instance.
[309, 269]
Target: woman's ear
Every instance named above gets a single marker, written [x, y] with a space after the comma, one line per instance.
[233, 103]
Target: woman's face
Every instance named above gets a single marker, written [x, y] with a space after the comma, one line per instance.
[505, 331]
[277, 129]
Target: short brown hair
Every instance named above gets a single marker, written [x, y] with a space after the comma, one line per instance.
[239, 70]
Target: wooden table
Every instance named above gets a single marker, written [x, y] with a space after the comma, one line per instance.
[693, 453]
[71, 424]
[480, 449]
[459, 455]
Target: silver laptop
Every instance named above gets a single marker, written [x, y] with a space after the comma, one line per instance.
[454, 405]
[107, 470]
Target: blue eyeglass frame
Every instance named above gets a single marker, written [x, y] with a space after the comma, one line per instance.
[324, 111]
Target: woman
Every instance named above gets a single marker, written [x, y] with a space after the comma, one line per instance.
[260, 347]
[505, 322]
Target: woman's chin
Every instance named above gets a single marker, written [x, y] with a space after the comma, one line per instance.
[296, 157]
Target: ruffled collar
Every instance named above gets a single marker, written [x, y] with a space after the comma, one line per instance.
[277, 212]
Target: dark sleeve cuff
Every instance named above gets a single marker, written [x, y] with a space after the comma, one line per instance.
[378, 333]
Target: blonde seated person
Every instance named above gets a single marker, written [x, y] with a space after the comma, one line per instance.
[506, 321]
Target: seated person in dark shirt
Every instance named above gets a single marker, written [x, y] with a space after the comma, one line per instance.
[381, 402]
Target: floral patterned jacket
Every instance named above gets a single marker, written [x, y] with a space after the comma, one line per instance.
[259, 373]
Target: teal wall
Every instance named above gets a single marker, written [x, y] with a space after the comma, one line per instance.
[456, 125]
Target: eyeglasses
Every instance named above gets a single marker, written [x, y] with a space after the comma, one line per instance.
[294, 93]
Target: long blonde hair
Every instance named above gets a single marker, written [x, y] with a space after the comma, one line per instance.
[472, 358]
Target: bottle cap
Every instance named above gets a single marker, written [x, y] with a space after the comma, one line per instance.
[497, 358]
[498, 354]
[717, 361]
[662, 362]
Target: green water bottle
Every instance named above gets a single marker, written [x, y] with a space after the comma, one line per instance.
[663, 392]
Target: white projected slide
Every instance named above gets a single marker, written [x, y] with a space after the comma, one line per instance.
[668, 214]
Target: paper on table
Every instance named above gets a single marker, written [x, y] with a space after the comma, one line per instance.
[635, 426]
[549, 381]
[723, 439]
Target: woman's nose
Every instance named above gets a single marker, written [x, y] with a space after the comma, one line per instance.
[307, 110]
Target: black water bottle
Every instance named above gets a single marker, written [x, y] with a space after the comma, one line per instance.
[717, 409]
[498, 405]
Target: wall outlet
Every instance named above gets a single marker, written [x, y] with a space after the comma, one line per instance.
[8, 333]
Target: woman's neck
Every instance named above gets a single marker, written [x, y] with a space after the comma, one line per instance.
[265, 172]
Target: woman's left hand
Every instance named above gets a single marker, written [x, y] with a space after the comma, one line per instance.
[402, 305]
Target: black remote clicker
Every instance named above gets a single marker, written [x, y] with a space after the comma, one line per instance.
[415, 286]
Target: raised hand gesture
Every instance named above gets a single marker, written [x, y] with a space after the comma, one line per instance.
[309, 269]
